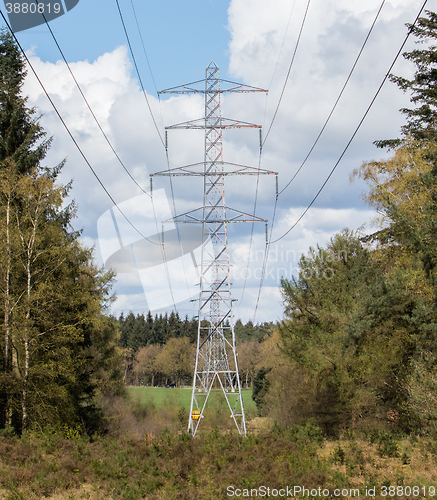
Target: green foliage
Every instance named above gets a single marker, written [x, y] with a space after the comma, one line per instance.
[387, 443]
[422, 119]
[338, 455]
[308, 433]
[314, 333]
[22, 139]
[260, 387]
[140, 331]
[57, 349]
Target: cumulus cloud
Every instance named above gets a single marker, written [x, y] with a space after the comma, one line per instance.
[262, 40]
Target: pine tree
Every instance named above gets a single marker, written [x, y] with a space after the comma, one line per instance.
[22, 139]
[58, 347]
[422, 119]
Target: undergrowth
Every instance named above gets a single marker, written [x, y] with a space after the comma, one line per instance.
[64, 464]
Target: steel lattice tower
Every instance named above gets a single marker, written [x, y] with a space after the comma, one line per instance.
[216, 358]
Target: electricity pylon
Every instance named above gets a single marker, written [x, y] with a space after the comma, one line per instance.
[216, 357]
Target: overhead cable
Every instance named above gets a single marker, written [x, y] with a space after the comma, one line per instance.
[270, 242]
[144, 47]
[138, 72]
[337, 101]
[162, 141]
[289, 71]
[70, 133]
[357, 128]
[260, 155]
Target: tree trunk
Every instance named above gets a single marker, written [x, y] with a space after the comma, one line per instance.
[5, 414]
[25, 382]
[7, 299]
[26, 349]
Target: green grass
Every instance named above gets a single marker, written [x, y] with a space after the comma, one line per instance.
[181, 397]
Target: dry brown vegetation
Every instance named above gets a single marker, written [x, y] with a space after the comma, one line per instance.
[171, 465]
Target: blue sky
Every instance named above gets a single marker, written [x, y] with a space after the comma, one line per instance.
[180, 37]
[252, 41]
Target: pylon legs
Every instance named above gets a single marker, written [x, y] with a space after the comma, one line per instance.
[215, 372]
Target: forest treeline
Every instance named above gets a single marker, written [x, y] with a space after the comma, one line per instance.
[357, 348]
[160, 350]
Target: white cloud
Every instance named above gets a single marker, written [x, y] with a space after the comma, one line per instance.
[260, 51]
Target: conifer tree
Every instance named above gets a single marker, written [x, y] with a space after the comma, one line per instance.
[22, 139]
[57, 347]
[422, 118]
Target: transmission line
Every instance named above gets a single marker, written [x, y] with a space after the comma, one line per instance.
[337, 101]
[160, 136]
[260, 153]
[70, 133]
[340, 158]
[289, 71]
[144, 47]
[138, 72]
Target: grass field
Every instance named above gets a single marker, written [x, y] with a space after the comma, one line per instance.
[181, 397]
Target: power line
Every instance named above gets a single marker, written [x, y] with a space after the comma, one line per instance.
[279, 56]
[160, 136]
[266, 255]
[69, 132]
[88, 105]
[337, 101]
[260, 154]
[337, 163]
[283, 43]
[138, 72]
[289, 71]
[144, 47]
[357, 128]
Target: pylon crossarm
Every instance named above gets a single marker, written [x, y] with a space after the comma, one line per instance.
[220, 124]
[232, 215]
[225, 169]
[187, 88]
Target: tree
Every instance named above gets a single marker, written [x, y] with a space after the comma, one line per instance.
[22, 139]
[404, 191]
[248, 360]
[422, 119]
[261, 386]
[176, 360]
[58, 348]
[22, 147]
[146, 366]
[349, 333]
